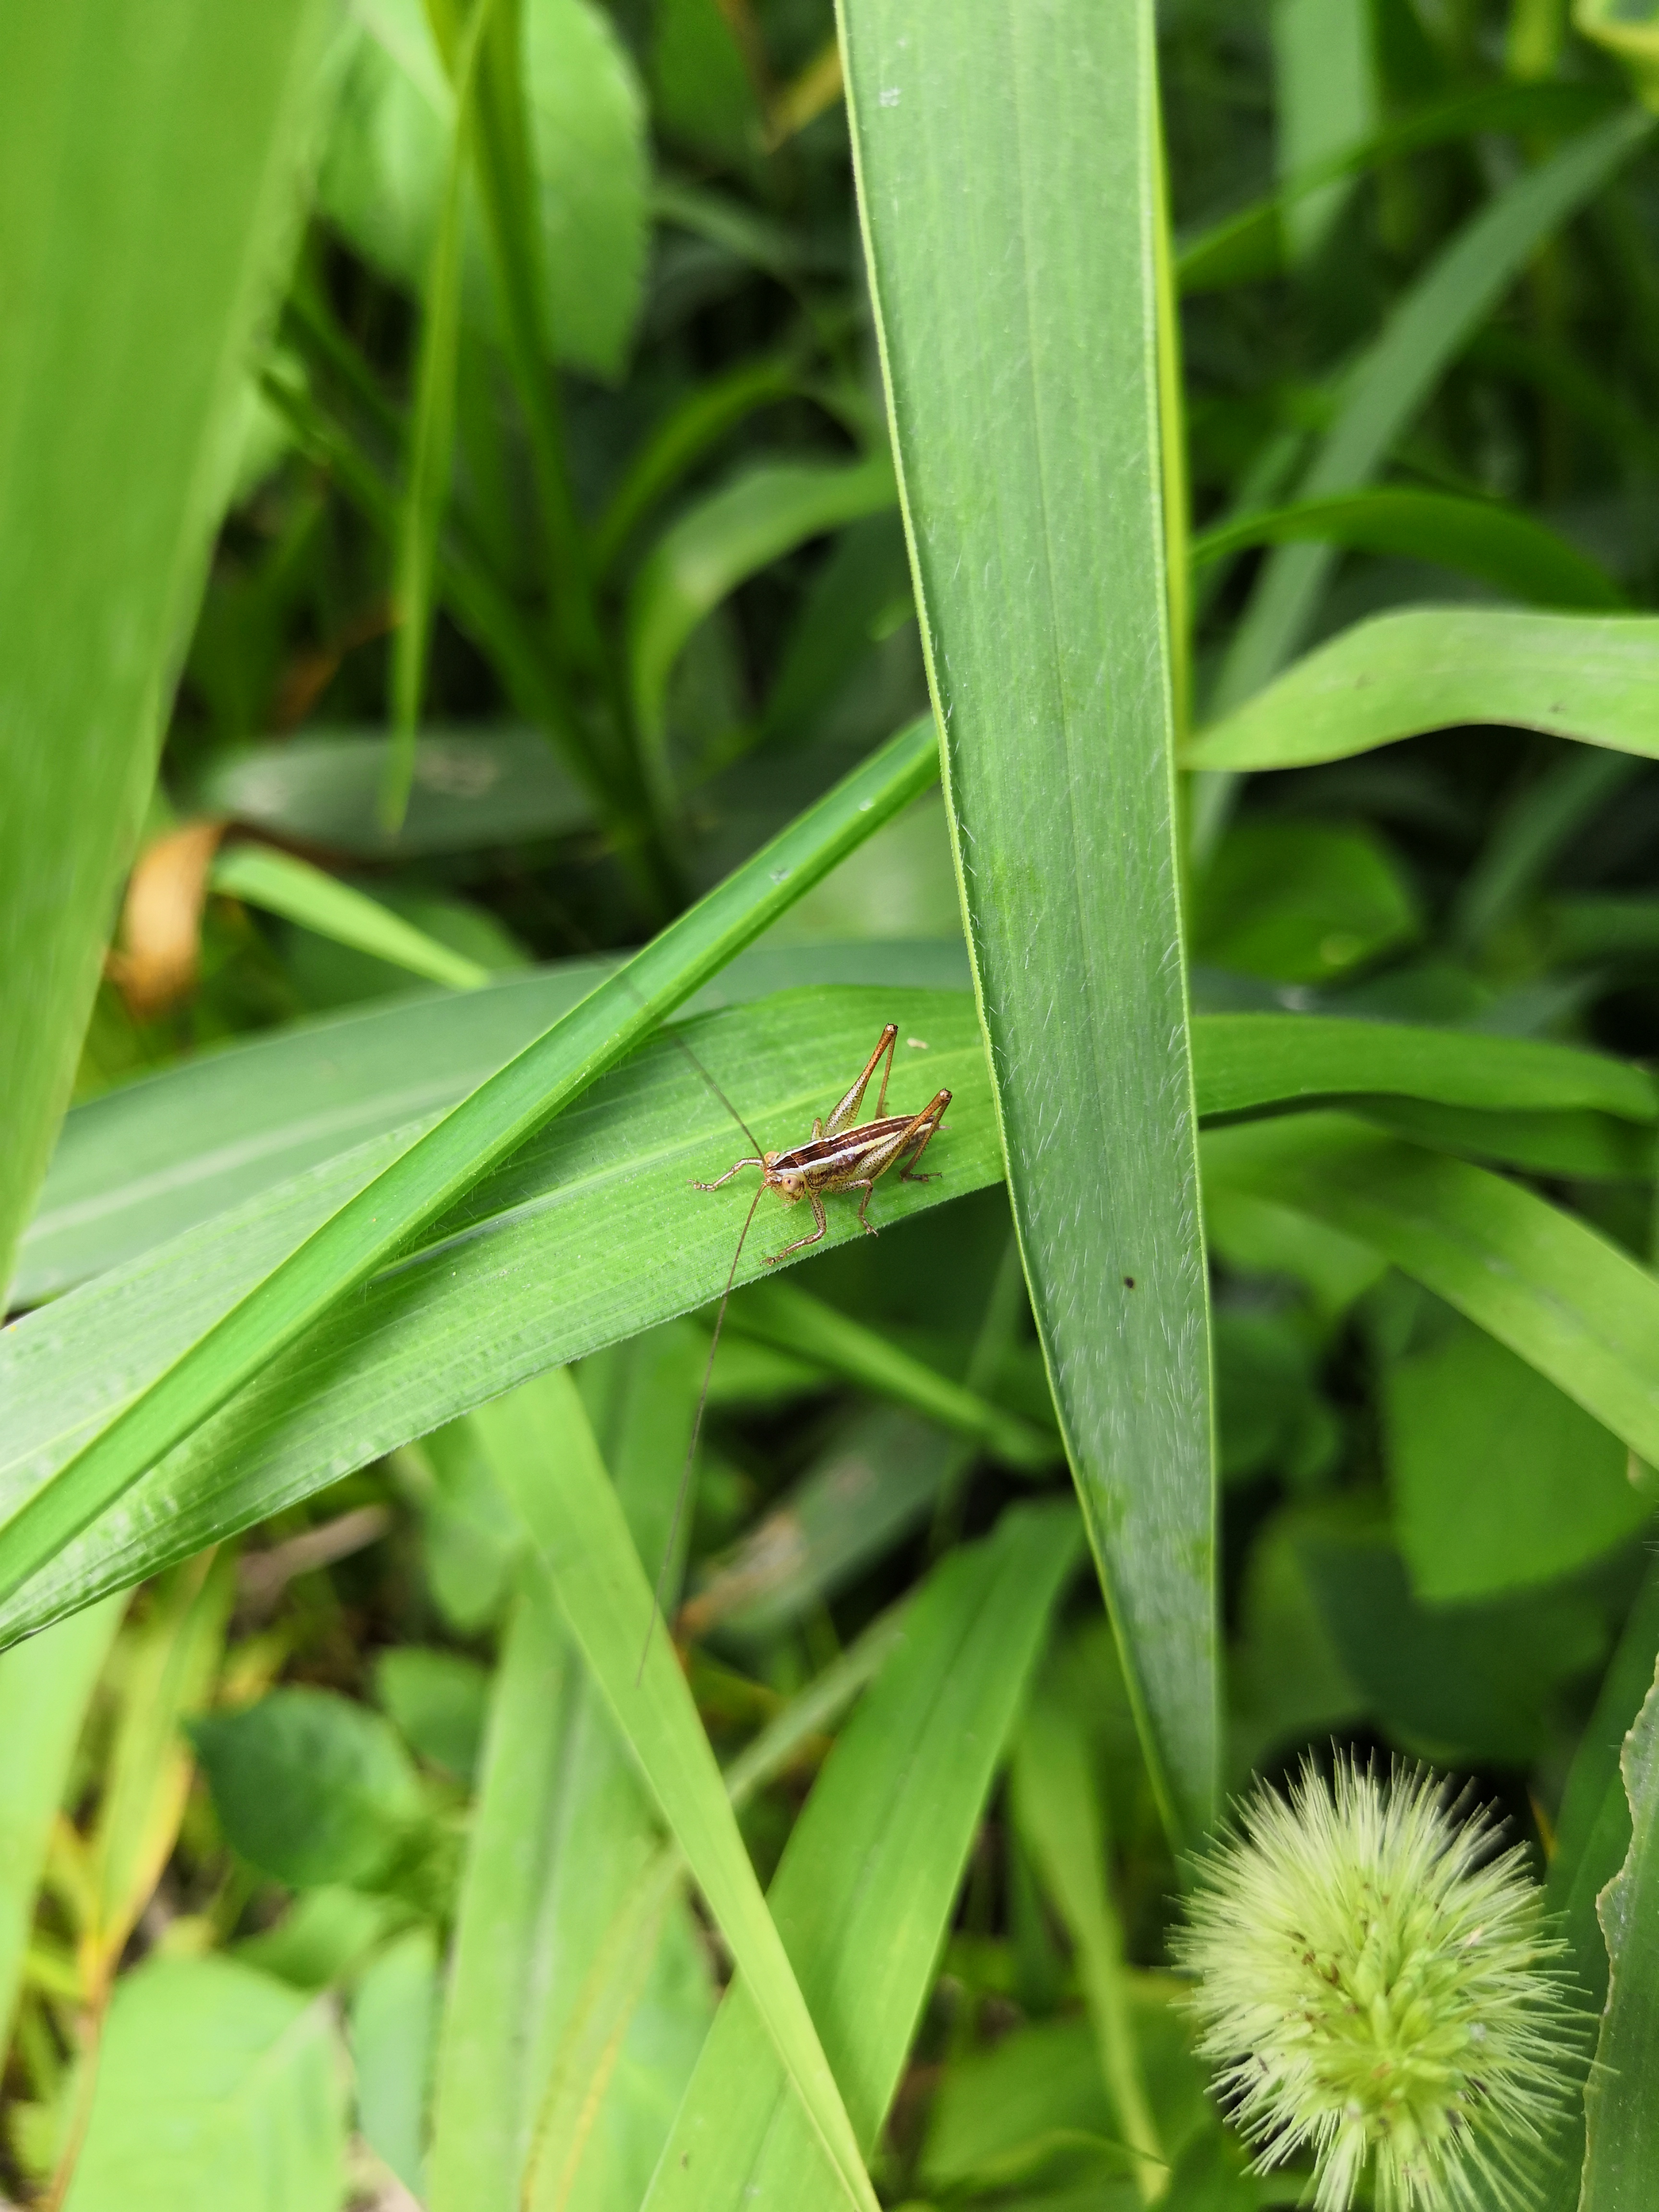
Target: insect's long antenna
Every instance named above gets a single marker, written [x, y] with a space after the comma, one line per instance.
[696, 1431]
[678, 1039]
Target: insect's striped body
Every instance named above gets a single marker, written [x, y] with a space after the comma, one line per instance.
[843, 1154]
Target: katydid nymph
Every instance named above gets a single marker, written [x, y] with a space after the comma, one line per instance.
[841, 1154]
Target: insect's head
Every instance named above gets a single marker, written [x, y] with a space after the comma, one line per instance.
[790, 1184]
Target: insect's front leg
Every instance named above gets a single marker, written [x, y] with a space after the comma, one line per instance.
[800, 1242]
[727, 1176]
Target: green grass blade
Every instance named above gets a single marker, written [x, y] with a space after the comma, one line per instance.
[1499, 545]
[487, 2073]
[138, 1164]
[45, 1688]
[769, 509]
[865, 1890]
[431, 441]
[474, 788]
[1431, 668]
[439, 1167]
[1020, 347]
[1426, 331]
[690, 429]
[562, 1833]
[544, 1455]
[1325, 100]
[1539, 1280]
[1057, 1805]
[139, 256]
[280, 883]
[590, 1237]
[791, 1319]
[1621, 2098]
[1248, 244]
[1245, 1063]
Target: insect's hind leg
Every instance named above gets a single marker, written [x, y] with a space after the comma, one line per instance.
[932, 1116]
[847, 1110]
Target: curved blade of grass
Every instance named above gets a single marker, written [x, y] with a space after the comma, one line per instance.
[1021, 353]
[46, 1686]
[139, 259]
[1386, 387]
[142, 1162]
[1248, 244]
[1545, 1284]
[1057, 1805]
[544, 1455]
[280, 883]
[1478, 538]
[1246, 1062]
[474, 788]
[590, 1235]
[769, 509]
[865, 1890]
[714, 405]
[791, 1319]
[431, 445]
[1621, 2097]
[1431, 668]
[563, 1828]
[440, 1166]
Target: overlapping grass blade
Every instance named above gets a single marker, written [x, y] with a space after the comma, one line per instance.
[1499, 545]
[139, 259]
[543, 1453]
[1621, 2097]
[1431, 668]
[1541, 1281]
[278, 882]
[139, 1165]
[45, 1686]
[1021, 351]
[1426, 331]
[436, 1170]
[563, 1833]
[867, 1881]
[431, 445]
[590, 1234]
[767, 511]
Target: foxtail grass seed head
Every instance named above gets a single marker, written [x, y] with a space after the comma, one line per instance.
[1375, 1984]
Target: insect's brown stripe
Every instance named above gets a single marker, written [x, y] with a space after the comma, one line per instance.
[845, 1149]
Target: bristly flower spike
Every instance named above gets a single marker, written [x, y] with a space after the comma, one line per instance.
[1375, 1983]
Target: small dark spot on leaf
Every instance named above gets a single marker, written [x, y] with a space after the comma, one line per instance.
[1129, 1282]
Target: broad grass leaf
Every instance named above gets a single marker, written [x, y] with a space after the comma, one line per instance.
[1580, 1310]
[1021, 360]
[441, 1164]
[1621, 2098]
[139, 260]
[1589, 677]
